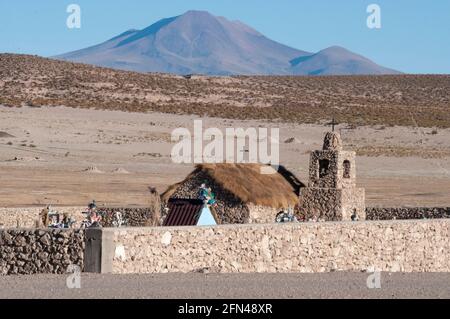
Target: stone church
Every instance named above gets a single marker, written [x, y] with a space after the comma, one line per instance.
[244, 195]
[332, 194]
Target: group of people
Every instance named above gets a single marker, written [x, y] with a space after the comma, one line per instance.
[52, 219]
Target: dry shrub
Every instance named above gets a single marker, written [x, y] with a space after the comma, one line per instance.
[358, 100]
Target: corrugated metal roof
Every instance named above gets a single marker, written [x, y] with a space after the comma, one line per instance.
[183, 212]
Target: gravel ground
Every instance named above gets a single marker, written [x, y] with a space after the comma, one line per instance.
[251, 286]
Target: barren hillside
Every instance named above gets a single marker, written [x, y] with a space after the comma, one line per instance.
[406, 100]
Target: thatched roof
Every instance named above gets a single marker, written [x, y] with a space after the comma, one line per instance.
[246, 182]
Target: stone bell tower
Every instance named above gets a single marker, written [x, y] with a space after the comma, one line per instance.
[332, 194]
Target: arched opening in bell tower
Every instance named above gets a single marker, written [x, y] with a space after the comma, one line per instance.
[324, 167]
[347, 168]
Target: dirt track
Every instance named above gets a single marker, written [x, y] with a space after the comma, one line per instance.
[252, 286]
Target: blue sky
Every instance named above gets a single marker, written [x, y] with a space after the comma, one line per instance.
[414, 38]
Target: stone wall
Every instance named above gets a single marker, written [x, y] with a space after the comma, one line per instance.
[40, 251]
[28, 217]
[394, 246]
[377, 213]
[353, 203]
[331, 204]
[137, 217]
[320, 204]
[133, 217]
[262, 214]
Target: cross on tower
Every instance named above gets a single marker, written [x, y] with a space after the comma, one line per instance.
[333, 123]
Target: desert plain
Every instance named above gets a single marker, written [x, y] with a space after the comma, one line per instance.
[68, 156]
[70, 133]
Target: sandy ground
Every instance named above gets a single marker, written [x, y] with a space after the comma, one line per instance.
[251, 286]
[70, 156]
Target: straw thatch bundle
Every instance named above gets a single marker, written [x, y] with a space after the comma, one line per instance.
[249, 183]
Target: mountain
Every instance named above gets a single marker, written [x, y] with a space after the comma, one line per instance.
[337, 61]
[195, 42]
[198, 42]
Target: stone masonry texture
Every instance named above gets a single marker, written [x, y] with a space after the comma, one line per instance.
[25, 252]
[377, 213]
[27, 217]
[394, 246]
[132, 217]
